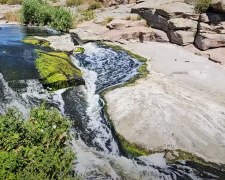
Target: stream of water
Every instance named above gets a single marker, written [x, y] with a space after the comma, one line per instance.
[98, 153]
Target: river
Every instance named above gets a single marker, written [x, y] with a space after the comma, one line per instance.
[99, 155]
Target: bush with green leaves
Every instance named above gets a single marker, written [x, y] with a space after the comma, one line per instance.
[40, 13]
[36, 148]
[202, 6]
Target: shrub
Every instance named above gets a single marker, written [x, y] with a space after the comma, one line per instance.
[36, 12]
[61, 19]
[202, 6]
[35, 149]
[95, 5]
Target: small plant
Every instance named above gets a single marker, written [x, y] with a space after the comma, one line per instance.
[87, 15]
[116, 7]
[70, 3]
[198, 53]
[107, 20]
[139, 18]
[128, 18]
[95, 5]
[202, 6]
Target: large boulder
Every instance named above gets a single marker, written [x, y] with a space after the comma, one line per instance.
[206, 41]
[159, 17]
[181, 24]
[176, 9]
[218, 5]
[153, 18]
[182, 37]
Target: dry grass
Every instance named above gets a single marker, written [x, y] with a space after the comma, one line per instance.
[12, 16]
[107, 20]
[129, 18]
[11, 2]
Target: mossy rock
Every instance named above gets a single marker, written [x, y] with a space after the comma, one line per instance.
[37, 42]
[180, 155]
[79, 50]
[57, 70]
[131, 149]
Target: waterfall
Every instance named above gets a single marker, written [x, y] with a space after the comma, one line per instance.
[97, 125]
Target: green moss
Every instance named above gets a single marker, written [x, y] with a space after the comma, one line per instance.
[180, 155]
[4, 52]
[79, 50]
[131, 149]
[57, 70]
[37, 42]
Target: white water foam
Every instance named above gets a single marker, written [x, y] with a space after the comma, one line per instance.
[58, 99]
[96, 165]
[103, 133]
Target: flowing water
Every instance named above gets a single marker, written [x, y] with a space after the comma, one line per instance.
[98, 153]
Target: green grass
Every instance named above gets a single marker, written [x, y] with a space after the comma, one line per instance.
[35, 148]
[40, 13]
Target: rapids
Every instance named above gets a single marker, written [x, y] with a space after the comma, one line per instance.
[98, 153]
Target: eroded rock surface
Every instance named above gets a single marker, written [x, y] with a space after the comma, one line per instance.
[180, 105]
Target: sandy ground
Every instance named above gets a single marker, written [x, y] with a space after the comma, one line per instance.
[180, 105]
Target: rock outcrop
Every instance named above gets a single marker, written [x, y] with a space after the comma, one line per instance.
[211, 31]
[183, 26]
[177, 19]
[180, 105]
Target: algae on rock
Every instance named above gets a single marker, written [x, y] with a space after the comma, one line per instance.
[37, 42]
[57, 70]
[79, 50]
